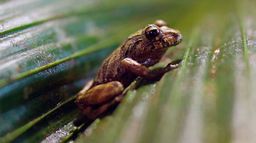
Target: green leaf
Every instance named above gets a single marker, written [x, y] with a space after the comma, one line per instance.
[49, 49]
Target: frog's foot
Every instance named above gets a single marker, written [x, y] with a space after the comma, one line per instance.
[173, 65]
[92, 112]
[144, 72]
[98, 99]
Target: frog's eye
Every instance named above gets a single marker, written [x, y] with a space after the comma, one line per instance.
[160, 23]
[151, 32]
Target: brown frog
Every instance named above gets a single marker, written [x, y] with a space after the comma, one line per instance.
[131, 60]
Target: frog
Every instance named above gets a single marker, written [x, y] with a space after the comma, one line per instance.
[132, 59]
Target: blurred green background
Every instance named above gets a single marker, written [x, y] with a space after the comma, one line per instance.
[50, 48]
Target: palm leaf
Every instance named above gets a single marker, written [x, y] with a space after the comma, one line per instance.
[49, 50]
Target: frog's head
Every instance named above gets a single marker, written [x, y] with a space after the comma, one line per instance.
[161, 35]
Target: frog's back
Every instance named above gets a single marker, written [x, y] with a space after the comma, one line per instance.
[111, 70]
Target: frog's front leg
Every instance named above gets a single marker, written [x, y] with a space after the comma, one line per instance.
[99, 99]
[142, 71]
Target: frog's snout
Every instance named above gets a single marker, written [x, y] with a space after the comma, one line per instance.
[172, 36]
[178, 38]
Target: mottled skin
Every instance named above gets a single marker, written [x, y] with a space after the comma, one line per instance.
[132, 59]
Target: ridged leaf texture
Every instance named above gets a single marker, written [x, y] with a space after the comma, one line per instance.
[49, 49]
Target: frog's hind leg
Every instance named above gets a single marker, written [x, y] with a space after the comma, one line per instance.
[99, 98]
[86, 87]
[100, 111]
